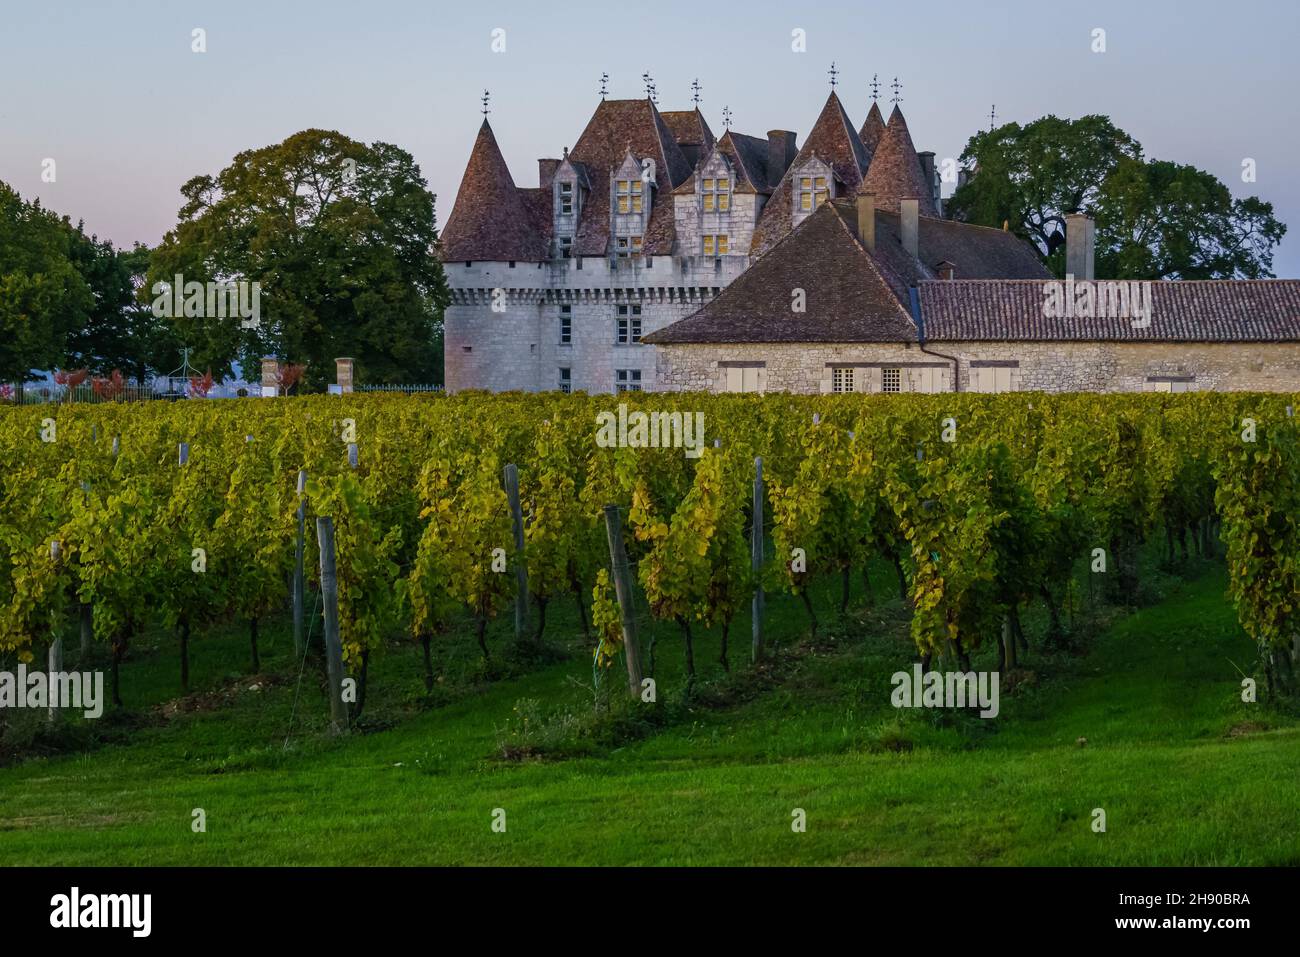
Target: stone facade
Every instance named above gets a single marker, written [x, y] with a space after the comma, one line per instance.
[503, 328]
[985, 366]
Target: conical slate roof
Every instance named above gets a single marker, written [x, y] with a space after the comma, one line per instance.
[491, 219]
[873, 128]
[833, 141]
[895, 171]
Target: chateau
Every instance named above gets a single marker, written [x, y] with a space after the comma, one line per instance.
[656, 256]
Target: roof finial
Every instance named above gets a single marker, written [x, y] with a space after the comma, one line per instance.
[834, 73]
[604, 86]
[898, 92]
[650, 92]
[875, 87]
[726, 117]
[993, 117]
[486, 98]
[695, 92]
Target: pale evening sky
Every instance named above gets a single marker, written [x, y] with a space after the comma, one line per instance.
[111, 91]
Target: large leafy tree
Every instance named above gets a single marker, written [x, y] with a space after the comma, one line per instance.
[43, 298]
[341, 237]
[1155, 219]
[121, 332]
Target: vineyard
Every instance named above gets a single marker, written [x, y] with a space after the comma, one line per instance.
[193, 518]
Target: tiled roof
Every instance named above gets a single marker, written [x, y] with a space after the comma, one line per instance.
[749, 155]
[1225, 310]
[872, 129]
[847, 296]
[976, 252]
[895, 171]
[853, 295]
[491, 220]
[616, 127]
[834, 141]
[689, 128]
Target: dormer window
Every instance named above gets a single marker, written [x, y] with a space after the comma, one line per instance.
[813, 192]
[566, 199]
[628, 246]
[716, 194]
[715, 245]
[566, 247]
[629, 195]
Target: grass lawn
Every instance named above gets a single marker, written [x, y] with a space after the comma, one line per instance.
[1186, 773]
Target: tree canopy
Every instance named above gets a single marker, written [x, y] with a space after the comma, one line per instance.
[1155, 219]
[340, 236]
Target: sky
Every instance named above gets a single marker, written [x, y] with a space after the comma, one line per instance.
[112, 91]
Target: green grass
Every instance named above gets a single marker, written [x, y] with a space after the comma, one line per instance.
[1157, 699]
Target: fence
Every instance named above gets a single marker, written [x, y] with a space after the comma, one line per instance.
[50, 393]
[407, 389]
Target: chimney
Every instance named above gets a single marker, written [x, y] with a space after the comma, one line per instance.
[909, 216]
[781, 151]
[927, 172]
[867, 220]
[1079, 245]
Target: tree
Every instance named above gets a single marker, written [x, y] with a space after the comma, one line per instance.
[341, 238]
[43, 298]
[1031, 176]
[1155, 219]
[1161, 220]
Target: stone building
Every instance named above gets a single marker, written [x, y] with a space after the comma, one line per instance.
[857, 299]
[644, 221]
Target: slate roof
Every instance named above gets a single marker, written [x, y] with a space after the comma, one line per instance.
[616, 127]
[691, 132]
[832, 140]
[748, 156]
[853, 295]
[895, 172]
[849, 297]
[1216, 310]
[873, 128]
[491, 219]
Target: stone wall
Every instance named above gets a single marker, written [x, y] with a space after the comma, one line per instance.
[518, 347]
[1049, 367]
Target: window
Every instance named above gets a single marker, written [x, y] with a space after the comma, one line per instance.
[986, 377]
[566, 199]
[746, 378]
[629, 195]
[1171, 384]
[566, 325]
[812, 192]
[841, 380]
[716, 195]
[629, 325]
[715, 245]
[891, 380]
[566, 379]
[628, 246]
[566, 246]
[627, 380]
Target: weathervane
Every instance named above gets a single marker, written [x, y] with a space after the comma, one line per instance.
[726, 117]
[695, 92]
[898, 92]
[993, 117]
[875, 87]
[604, 85]
[649, 86]
[834, 73]
[486, 97]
